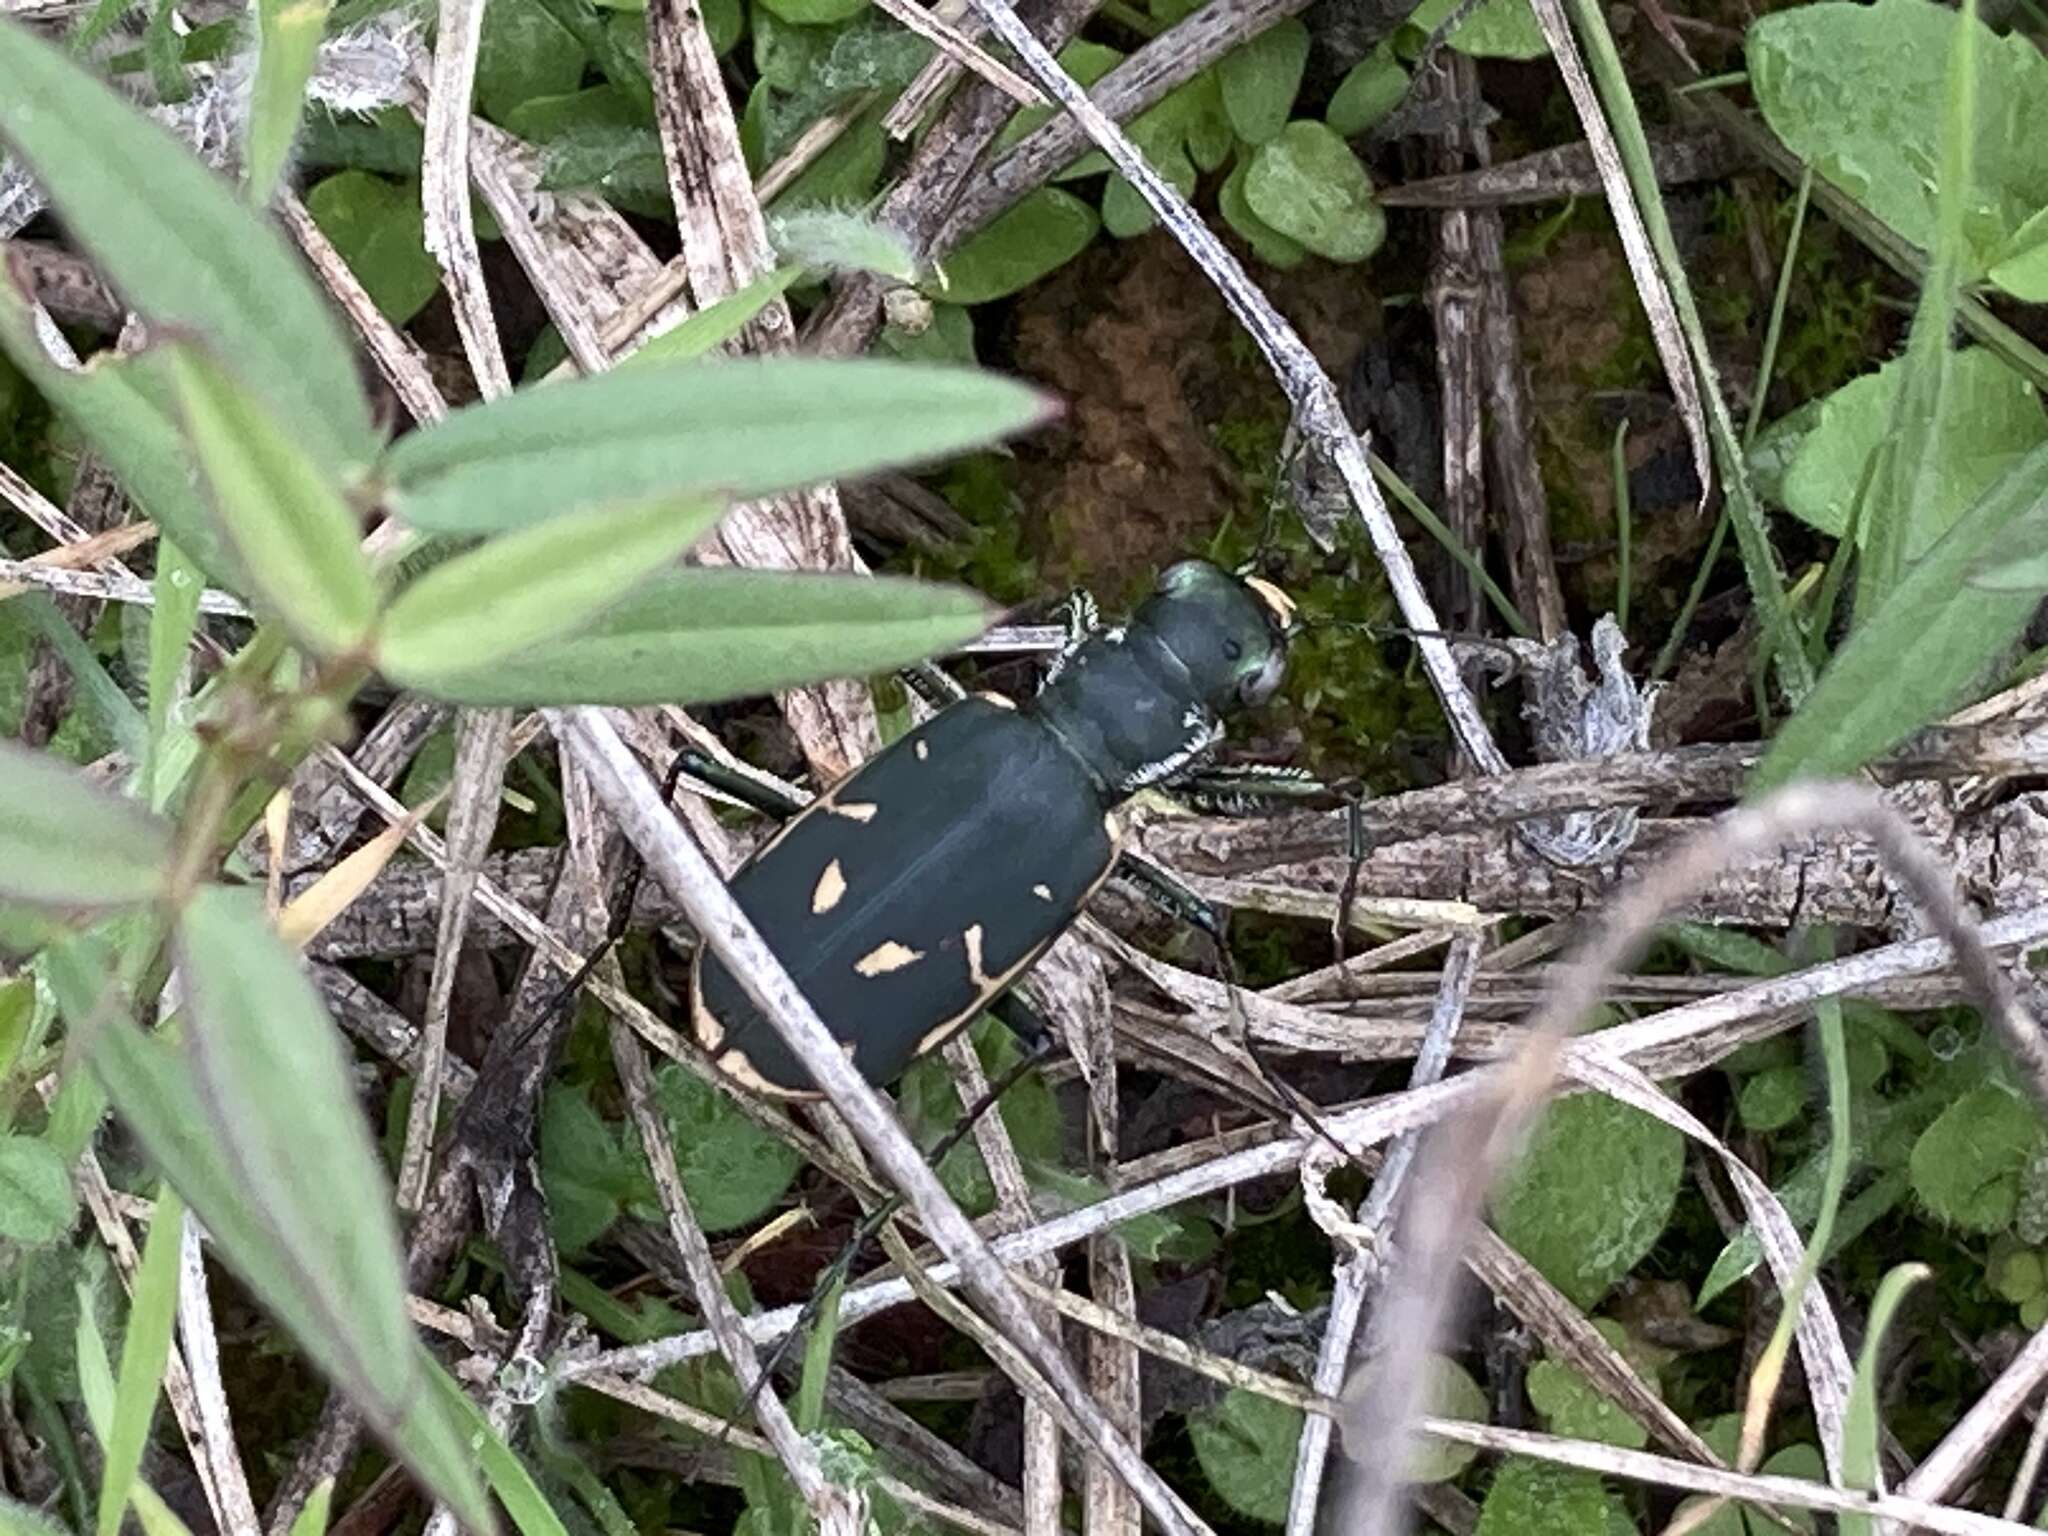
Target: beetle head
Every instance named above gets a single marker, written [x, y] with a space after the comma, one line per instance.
[1230, 633]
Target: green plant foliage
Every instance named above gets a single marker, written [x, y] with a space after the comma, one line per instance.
[1451, 1393]
[1042, 233]
[1572, 1406]
[1499, 29]
[36, 1202]
[1309, 186]
[1966, 1168]
[524, 52]
[1923, 649]
[732, 1170]
[1802, 1460]
[590, 1167]
[814, 13]
[930, 1106]
[601, 140]
[1591, 1195]
[179, 245]
[705, 635]
[1534, 1498]
[1372, 88]
[2020, 266]
[523, 589]
[1773, 1099]
[1261, 78]
[1859, 91]
[1245, 1444]
[843, 177]
[1271, 247]
[1087, 63]
[67, 843]
[293, 535]
[826, 239]
[313, 1233]
[741, 428]
[381, 233]
[288, 45]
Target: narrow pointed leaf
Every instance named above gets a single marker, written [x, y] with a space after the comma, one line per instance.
[288, 45]
[716, 324]
[701, 635]
[139, 440]
[152, 1087]
[278, 1098]
[741, 428]
[1915, 656]
[145, 1349]
[523, 588]
[293, 535]
[64, 842]
[179, 245]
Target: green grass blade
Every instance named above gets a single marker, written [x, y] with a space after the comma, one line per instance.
[1861, 1438]
[736, 428]
[509, 1479]
[1915, 657]
[180, 247]
[293, 534]
[522, 589]
[17, 1519]
[701, 635]
[145, 1349]
[1916, 459]
[288, 34]
[1746, 514]
[64, 842]
[809, 1411]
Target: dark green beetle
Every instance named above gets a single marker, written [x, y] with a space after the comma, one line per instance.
[915, 891]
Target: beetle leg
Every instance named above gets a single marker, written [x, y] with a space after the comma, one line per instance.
[932, 684]
[755, 793]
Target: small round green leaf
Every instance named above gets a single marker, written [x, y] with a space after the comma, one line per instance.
[381, 233]
[1534, 1498]
[1042, 233]
[36, 1201]
[1774, 1099]
[1966, 1166]
[524, 53]
[1592, 1193]
[67, 843]
[1572, 1406]
[1271, 247]
[732, 1170]
[1261, 78]
[1372, 89]
[1246, 1447]
[1308, 185]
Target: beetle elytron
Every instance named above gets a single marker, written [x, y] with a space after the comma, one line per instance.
[914, 892]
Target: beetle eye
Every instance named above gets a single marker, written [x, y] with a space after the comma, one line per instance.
[1232, 651]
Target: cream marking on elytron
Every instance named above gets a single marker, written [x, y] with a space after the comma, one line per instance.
[887, 956]
[831, 886]
[975, 974]
[923, 749]
[853, 810]
[1042, 891]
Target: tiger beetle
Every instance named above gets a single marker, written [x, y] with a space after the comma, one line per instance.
[915, 892]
